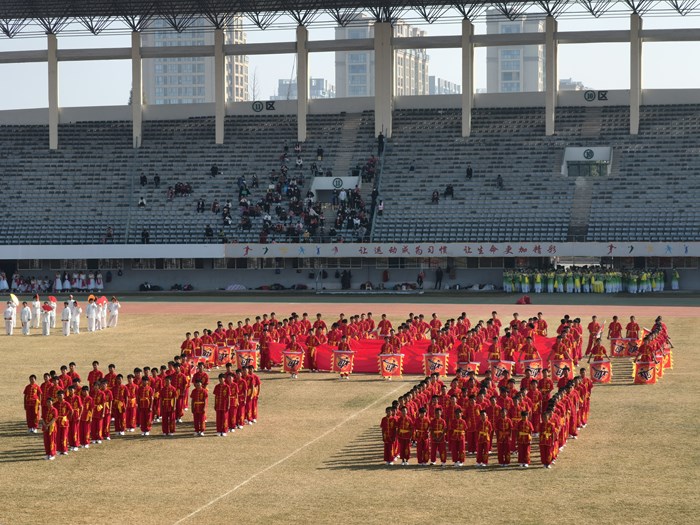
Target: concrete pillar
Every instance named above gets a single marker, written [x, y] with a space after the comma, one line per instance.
[635, 71]
[383, 78]
[53, 90]
[136, 89]
[219, 84]
[302, 81]
[467, 76]
[551, 80]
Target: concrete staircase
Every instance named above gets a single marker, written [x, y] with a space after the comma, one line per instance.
[345, 155]
[580, 210]
[592, 124]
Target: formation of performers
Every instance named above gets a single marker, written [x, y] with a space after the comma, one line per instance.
[74, 415]
[76, 282]
[100, 314]
[472, 417]
[587, 280]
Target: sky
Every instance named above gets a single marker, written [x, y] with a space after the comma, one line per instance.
[598, 66]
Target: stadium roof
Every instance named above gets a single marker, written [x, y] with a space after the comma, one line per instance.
[95, 15]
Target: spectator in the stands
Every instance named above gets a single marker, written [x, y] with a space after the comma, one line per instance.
[200, 205]
[144, 180]
[342, 197]
[214, 171]
[470, 172]
[254, 181]
[380, 208]
[299, 162]
[208, 232]
[215, 208]
[380, 144]
[412, 167]
[319, 154]
[297, 148]
[156, 180]
[450, 191]
[145, 236]
[109, 234]
[170, 194]
[435, 198]
[499, 182]
[142, 202]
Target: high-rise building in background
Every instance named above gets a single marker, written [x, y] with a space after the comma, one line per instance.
[511, 69]
[188, 80]
[354, 70]
[569, 84]
[318, 88]
[440, 86]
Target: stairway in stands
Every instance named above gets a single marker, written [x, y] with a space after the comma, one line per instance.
[345, 156]
[580, 210]
[593, 123]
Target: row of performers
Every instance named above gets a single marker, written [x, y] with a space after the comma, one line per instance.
[471, 416]
[73, 416]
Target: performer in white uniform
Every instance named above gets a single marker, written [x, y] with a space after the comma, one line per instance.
[91, 313]
[52, 313]
[103, 315]
[46, 320]
[114, 307]
[76, 311]
[36, 312]
[98, 316]
[8, 315]
[25, 316]
[65, 318]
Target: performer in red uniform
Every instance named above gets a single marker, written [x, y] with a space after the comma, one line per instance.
[547, 439]
[242, 399]
[233, 402]
[168, 406]
[200, 398]
[99, 400]
[120, 404]
[404, 433]
[421, 433]
[593, 329]
[632, 329]
[222, 401]
[95, 374]
[132, 389]
[524, 431]
[86, 415]
[388, 426]
[255, 380]
[64, 413]
[457, 433]
[485, 431]
[48, 425]
[145, 405]
[504, 429]
[109, 399]
[32, 402]
[438, 436]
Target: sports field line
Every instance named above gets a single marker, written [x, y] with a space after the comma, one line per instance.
[291, 454]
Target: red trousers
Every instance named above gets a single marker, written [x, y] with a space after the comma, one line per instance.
[119, 421]
[423, 450]
[591, 338]
[84, 432]
[573, 424]
[62, 438]
[145, 419]
[436, 447]
[546, 453]
[536, 420]
[405, 449]
[74, 433]
[106, 421]
[524, 453]
[222, 421]
[471, 441]
[457, 445]
[96, 429]
[265, 358]
[389, 451]
[503, 452]
[311, 356]
[131, 413]
[187, 397]
[155, 409]
[254, 410]
[50, 442]
[199, 422]
[232, 417]
[180, 407]
[249, 409]
[32, 417]
[168, 422]
[482, 452]
[240, 415]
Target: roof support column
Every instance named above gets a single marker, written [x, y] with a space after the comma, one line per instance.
[467, 76]
[383, 78]
[302, 81]
[52, 42]
[136, 89]
[635, 71]
[551, 83]
[219, 84]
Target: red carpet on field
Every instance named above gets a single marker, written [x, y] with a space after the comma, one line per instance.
[367, 350]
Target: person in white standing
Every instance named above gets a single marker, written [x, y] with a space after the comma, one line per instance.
[46, 320]
[36, 312]
[25, 316]
[76, 311]
[103, 315]
[114, 307]
[98, 317]
[91, 313]
[9, 319]
[52, 313]
[65, 318]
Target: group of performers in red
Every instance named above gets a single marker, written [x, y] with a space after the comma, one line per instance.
[74, 415]
[473, 417]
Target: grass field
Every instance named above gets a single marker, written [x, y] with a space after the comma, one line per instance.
[315, 454]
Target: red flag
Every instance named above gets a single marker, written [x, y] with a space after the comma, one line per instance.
[601, 371]
[534, 366]
[246, 358]
[500, 368]
[223, 356]
[644, 373]
[390, 365]
[208, 352]
[292, 362]
[562, 367]
[618, 347]
[435, 363]
[343, 362]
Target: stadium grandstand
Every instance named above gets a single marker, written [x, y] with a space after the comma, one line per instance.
[472, 183]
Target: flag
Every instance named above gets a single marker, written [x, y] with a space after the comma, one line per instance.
[668, 357]
[390, 365]
[601, 371]
[435, 363]
[559, 368]
[343, 361]
[645, 373]
[223, 355]
[468, 366]
[618, 347]
[292, 362]
[500, 368]
[534, 366]
[208, 352]
[246, 358]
